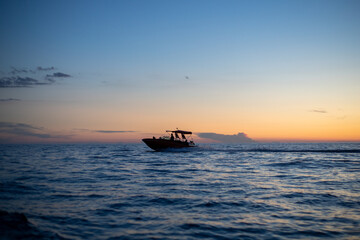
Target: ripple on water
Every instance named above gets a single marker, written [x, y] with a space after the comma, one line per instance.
[117, 191]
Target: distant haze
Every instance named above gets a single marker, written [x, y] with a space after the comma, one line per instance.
[236, 138]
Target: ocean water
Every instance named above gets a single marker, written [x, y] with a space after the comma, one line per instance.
[214, 191]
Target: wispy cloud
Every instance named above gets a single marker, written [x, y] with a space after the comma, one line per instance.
[16, 71]
[59, 75]
[17, 82]
[223, 138]
[45, 68]
[51, 77]
[318, 111]
[10, 100]
[22, 78]
[27, 130]
[104, 131]
[110, 131]
[22, 129]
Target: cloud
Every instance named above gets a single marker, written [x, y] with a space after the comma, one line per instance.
[50, 77]
[9, 100]
[22, 129]
[16, 82]
[45, 68]
[103, 131]
[58, 75]
[21, 78]
[107, 131]
[16, 71]
[318, 111]
[223, 138]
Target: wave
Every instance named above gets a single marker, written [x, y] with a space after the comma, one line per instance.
[14, 225]
[218, 191]
[269, 150]
[306, 150]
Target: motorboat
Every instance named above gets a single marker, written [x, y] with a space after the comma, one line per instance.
[177, 139]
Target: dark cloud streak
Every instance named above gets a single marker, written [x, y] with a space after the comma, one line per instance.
[45, 68]
[104, 131]
[16, 71]
[318, 111]
[18, 78]
[22, 129]
[58, 75]
[17, 82]
[10, 100]
[109, 131]
[50, 77]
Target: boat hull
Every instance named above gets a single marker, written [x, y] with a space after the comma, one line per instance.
[162, 144]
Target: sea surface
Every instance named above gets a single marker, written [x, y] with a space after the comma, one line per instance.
[214, 191]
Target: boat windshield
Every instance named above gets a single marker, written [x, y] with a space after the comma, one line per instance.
[178, 135]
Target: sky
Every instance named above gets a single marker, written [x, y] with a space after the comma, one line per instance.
[119, 71]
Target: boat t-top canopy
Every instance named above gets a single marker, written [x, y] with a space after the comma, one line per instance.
[179, 131]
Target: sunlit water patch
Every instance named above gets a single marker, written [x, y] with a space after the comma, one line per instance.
[215, 191]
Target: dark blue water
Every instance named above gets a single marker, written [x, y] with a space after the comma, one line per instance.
[117, 191]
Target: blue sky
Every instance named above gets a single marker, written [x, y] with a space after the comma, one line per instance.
[240, 57]
[127, 35]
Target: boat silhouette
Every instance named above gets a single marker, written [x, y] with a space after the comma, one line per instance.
[176, 140]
